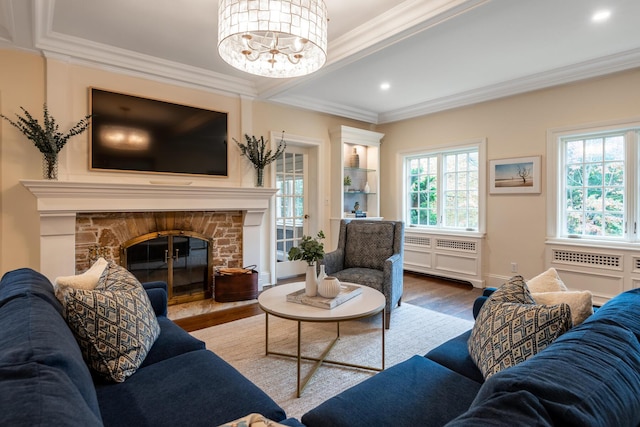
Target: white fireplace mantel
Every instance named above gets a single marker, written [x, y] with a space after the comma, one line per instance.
[58, 202]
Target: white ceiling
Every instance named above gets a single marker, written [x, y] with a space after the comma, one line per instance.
[435, 54]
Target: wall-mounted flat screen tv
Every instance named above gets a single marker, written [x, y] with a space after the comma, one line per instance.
[129, 133]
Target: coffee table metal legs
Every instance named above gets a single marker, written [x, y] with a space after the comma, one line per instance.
[302, 383]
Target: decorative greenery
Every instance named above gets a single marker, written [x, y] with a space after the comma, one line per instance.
[347, 180]
[257, 152]
[48, 139]
[311, 249]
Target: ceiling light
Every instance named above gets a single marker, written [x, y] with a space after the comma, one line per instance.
[273, 38]
[601, 15]
[385, 86]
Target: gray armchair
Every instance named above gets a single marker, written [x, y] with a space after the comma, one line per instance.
[370, 253]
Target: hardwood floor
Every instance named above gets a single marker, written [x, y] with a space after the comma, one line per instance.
[445, 296]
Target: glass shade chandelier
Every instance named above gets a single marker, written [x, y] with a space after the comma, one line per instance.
[273, 38]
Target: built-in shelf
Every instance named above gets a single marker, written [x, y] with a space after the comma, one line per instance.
[355, 153]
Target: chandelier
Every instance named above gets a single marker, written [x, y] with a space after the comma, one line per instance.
[273, 38]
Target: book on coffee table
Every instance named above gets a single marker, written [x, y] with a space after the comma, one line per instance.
[346, 293]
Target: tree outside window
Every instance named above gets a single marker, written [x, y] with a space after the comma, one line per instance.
[594, 189]
[443, 189]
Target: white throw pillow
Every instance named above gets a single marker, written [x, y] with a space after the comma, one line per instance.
[581, 302]
[87, 280]
[549, 281]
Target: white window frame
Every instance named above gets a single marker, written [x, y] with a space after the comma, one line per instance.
[479, 144]
[555, 179]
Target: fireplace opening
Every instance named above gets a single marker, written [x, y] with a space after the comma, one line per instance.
[181, 258]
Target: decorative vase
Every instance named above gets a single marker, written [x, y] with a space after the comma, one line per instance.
[329, 287]
[322, 274]
[311, 282]
[355, 159]
[50, 166]
[259, 177]
[367, 189]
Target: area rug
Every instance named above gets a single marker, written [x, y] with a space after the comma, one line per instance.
[414, 330]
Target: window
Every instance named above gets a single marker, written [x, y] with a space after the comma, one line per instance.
[595, 182]
[443, 188]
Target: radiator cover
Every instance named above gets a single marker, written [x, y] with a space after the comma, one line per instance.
[444, 255]
[605, 271]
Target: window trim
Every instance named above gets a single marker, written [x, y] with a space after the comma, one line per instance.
[554, 171]
[481, 145]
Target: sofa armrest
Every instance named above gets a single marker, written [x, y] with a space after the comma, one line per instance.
[488, 291]
[479, 302]
[157, 292]
[333, 261]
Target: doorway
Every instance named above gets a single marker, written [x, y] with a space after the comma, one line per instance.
[297, 210]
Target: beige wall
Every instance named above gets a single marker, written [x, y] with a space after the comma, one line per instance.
[514, 127]
[22, 83]
[29, 80]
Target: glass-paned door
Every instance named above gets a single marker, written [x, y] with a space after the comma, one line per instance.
[190, 262]
[291, 208]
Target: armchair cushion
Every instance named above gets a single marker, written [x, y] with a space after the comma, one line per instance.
[359, 252]
[362, 276]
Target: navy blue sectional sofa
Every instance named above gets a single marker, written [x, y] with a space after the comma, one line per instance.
[45, 382]
[589, 376]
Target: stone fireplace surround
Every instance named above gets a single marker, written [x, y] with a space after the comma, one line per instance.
[58, 202]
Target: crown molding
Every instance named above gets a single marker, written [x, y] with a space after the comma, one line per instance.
[406, 19]
[124, 61]
[397, 24]
[332, 108]
[569, 74]
[7, 22]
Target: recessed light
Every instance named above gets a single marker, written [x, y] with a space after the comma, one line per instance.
[385, 86]
[601, 15]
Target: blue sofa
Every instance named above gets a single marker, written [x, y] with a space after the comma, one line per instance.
[45, 381]
[589, 376]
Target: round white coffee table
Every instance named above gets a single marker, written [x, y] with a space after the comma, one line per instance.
[274, 301]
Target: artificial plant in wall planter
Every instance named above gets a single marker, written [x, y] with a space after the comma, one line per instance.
[256, 151]
[48, 139]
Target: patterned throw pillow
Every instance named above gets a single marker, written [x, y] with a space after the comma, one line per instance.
[510, 328]
[514, 290]
[114, 324]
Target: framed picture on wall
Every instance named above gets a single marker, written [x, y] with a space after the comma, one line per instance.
[519, 175]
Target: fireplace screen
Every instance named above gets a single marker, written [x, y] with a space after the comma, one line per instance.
[180, 258]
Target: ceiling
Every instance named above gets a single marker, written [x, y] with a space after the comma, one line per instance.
[434, 54]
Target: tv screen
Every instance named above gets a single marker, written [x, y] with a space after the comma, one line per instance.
[129, 133]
